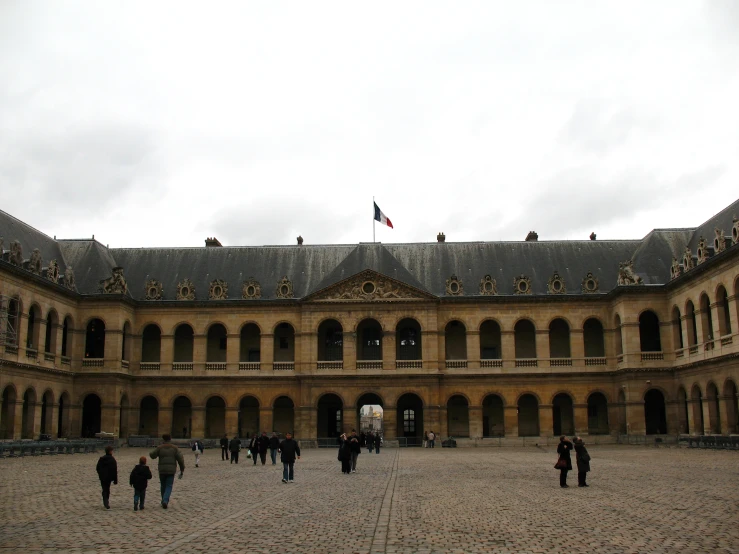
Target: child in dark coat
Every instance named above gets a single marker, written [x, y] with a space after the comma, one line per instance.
[139, 480]
[107, 469]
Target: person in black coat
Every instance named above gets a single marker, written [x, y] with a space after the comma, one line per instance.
[356, 449]
[289, 450]
[370, 441]
[254, 447]
[107, 469]
[582, 458]
[263, 447]
[234, 446]
[345, 455]
[378, 443]
[274, 446]
[224, 447]
[139, 480]
[563, 449]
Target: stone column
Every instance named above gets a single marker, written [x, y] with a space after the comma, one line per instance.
[233, 352]
[684, 323]
[350, 351]
[348, 419]
[673, 419]
[232, 421]
[441, 349]
[692, 424]
[18, 421]
[113, 346]
[577, 346]
[508, 349]
[546, 420]
[475, 415]
[197, 424]
[306, 351]
[52, 416]
[430, 350]
[306, 422]
[726, 414]
[166, 354]
[390, 422]
[635, 424]
[707, 427]
[431, 419]
[266, 418]
[473, 352]
[388, 350]
[59, 331]
[510, 420]
[631, 342]
[581, 418]
[443, 422]
[731, 305]
[542, 347]
[110, 418]
[266, 351]
[199, 353]
[36, 431]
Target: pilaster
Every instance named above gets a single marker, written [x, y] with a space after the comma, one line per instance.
[266, 418]
[388, 350]
[350, 351]
[197, 423]
[266, 351]
[542, 347]
[475, 417]
[546, 420]
[581, 418]
[510, 421]
[473, 354]
[390, 422]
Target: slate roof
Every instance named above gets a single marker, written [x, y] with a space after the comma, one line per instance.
[312, 268]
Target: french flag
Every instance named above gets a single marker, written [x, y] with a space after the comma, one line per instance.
[381, 217]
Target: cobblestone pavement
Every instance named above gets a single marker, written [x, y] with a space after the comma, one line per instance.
[407, 500]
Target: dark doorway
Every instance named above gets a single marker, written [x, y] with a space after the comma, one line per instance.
[330, 416]
[410, 419]
[654, 412]
[91, 415]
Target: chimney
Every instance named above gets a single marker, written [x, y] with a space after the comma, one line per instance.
[592, 236]
[532, 236]
[212, 242]
[300, 240]
[441, 237]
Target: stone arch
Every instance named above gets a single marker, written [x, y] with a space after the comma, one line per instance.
[151, 343]
[706, 317]
[559, 338]
[52, 321]
[655, 412]
[524, 332]
[330, 337]
[284, 342]
[593, 338]
[714, 410]
[91, 415]
[563, 414]
[369, 333]
[493, 415]
[248, 414]
[7, 417]
[250, 342]
[491, 339]
[215, 416]
[283, 414]
[455, 340]
[330, 414]
[458, 415]
[62, 429]
[95, 338]
[250, 322]
[47, 403]
[184, 343]
[369, 393]
[216, 342]
[649, 338]
[528, 415]
[408, 337]
[149, 415]
[409, 411]
[597, 413]
[724, 314]
[732, 406]
[182, 416]
[682, 410]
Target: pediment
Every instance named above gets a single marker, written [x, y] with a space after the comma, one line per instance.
[369, 286]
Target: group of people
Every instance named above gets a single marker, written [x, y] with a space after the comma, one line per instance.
[369, 440]
[258, 447]
[564, 462]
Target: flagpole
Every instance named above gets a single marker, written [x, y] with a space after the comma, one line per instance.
[373, 219]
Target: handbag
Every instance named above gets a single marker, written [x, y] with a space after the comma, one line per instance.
[561, 464]
[248, 454]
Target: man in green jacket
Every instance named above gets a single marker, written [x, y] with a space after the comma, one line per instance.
[169, 457]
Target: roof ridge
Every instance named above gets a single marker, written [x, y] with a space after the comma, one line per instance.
[27, 225]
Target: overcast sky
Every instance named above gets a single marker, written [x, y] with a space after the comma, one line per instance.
[158, 124]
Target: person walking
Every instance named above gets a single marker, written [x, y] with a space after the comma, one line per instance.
[107, 469]
[169, 458]
[345, 454]
[356, 450]
[139, 480]
[565, 461]
[432, 439]
[582, 458]
[263, 447]
[224, 447]
[370, 441]
[378, 443]
[254, 447]
[289, 450]
[197, 448]
[274, 446]
[235, 446]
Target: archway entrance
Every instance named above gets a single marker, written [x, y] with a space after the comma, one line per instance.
[149, 416]
[714, 411]
[732, 406]
[283, 415]
[528, 416]
[563, 418]
[91, 415]
[458, 416]
[7, 420]
[597, 414]
[248, 416]
[654, 412]
[62, 425]
[123, 418]
[330, 416]
[29, 411]
[181, 417]
[215, 417]
[410, 419]
[369, 416]
[47, 401]
[696, 399]
[493, 422]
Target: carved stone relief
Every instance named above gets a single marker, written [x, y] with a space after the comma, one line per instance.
[521, 285]
[218, 290]
[719, 241]
[16, 253]
[688, 261]
[488, 286]
[454, 286]
[185, 290]
[675, 269]
[69, 281]
[52, 272]
[284, 288]
[34, 264]
[367, 286]
[702, 250]
[626, 274]
[735, 231]
[153, 290]
[251, 290]
[115, 284]
[590, 283]
[556, 284]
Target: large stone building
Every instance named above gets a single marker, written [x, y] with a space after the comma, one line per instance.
[480, 339]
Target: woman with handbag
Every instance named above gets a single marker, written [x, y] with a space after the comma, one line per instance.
[583, 462]
[564, 463]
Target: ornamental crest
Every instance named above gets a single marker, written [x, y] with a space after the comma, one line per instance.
[702, 250]
[284, 288]
[675, 269]
[734, 231]
[369, 286]
[52, 272]
[185, 290]
[488, 286]
[454, 286]
[556, 284]
[153, 290]
[34, 264]
[115, 284]
[521, 285]
[590, 283]
[719, 242]
[69, 278]
[688, 261]
[16, 253]
[251, 290]
[218, 290]
[626, 274]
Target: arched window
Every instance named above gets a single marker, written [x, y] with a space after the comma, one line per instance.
[455, 340]
[52, 320]
[330, 341]
[706, 318]
[217, 343]
[250, 344]
[490, 341]
[525, 339]
[408, 340]
[34, 327]
[284, 343]
[592, 333]
[11, 328]
[692, 327]
[619, 337]
[184, 339]
[724, 316]
[559, 339]
[677, 329]
[151, 344]
[369, 340]
[649, 332]
[67, 337]
[95, 339]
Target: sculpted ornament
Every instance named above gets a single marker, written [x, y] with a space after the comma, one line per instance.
[284, 288]
[69, 278]
[521, 285]
[34, 264]
[185, 290]
[719, 242]
[702, 251]
[52, 272]
[488, 286]
[16, 253]
[556, 284]
[734, 232]
[590, 283]
[115, 284]
[218, 290]
[153, 290]
[367, 286]
[251, 290]
[688, 261]
[675, 269]
[626, 274]
[454, 286]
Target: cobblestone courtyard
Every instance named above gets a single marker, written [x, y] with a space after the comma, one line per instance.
[402, 500]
